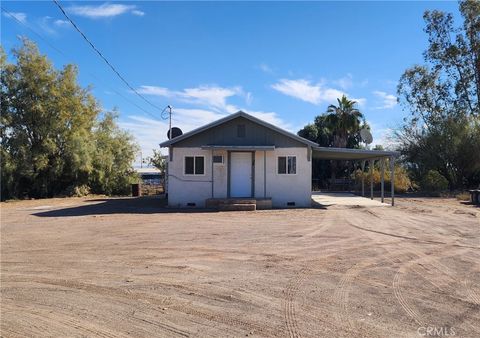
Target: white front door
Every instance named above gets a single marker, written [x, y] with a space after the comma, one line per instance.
[240, 174]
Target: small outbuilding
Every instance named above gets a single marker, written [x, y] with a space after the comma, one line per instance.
[242, 157]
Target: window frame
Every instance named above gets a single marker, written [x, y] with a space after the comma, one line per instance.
[218, 163]
[286, 165]
[194, 165]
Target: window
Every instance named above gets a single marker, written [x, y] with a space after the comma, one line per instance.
[241, 130]
[218, 159]
[287, 165]
[194, 165]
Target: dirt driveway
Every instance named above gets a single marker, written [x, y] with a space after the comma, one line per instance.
[121, 268]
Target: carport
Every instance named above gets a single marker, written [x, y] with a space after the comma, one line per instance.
[362, 156]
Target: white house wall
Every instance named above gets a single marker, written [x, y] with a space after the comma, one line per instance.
[295, 188]
[184, 189]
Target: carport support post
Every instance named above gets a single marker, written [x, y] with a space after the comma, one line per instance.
[392, 178]
[382, 179]
[363, 178]
[372, 162]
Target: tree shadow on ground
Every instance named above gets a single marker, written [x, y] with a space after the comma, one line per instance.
[124, 205]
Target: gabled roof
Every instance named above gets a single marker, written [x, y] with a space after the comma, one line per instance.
[234, 116]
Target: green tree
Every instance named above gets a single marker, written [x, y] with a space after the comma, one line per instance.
[112, 162]
[344, 120]
[338, 127]
[442, 131]
[49, 129]
[158, 160]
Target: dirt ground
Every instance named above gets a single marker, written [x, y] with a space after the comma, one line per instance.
[126, 267]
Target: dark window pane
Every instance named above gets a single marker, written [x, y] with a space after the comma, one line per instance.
[241, 130]
[189, 165]
[217, 159]
[199, 166]
[282, 165]
[292, 165]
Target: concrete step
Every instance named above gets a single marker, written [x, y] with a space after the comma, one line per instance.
[213, 203]
[237, 207]
[236, 201]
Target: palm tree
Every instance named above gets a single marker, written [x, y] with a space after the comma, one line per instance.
[344, 119]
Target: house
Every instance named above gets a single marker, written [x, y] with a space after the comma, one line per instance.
[243, 157]
[239, 156]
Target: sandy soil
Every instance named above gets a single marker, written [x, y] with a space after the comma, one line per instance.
[122, 267]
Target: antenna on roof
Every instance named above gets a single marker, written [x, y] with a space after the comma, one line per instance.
[169, 107]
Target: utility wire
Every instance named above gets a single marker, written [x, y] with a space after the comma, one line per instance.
[67, 57]
[103, 57]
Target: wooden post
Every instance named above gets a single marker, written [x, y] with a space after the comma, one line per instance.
[363, 178]
[382, 178]
[372, 163]
[392, 178]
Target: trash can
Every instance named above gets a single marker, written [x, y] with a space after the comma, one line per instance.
[136, 190]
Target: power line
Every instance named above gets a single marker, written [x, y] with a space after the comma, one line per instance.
[103, 57]
[66, 57]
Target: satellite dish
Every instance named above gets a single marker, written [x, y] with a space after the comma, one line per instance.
[176, 132]
[366, 136]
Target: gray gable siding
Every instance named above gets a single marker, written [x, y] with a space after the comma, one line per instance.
[226, 135]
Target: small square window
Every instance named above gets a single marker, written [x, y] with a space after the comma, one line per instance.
[241, 130]
[194, 165]
[287, 165]
[218, 159]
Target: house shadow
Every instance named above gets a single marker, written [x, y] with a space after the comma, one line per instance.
[470, 203]
[316, 205]
[124, 205]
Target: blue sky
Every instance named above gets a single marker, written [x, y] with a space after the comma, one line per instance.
[284, 62]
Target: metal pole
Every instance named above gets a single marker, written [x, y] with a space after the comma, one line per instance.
[363, 178]
[372, 163]
[170, 121]
[382, 180]
[392, 178]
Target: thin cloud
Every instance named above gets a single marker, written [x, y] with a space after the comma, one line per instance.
[387, 101]
[138, 13]
[22, 17]
[105, 10]
[300, 89]
[61, 23]
[265, 68]
[309, 92]
[210, 96]
[345, 82]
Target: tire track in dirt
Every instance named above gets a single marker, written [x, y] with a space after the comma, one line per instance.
[341, 294]
[291, 291]
[412, 313]
[471, 293]
[63, 321]
[147, 300]
[424, 260]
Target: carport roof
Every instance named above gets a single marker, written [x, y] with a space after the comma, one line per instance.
[330, 153]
